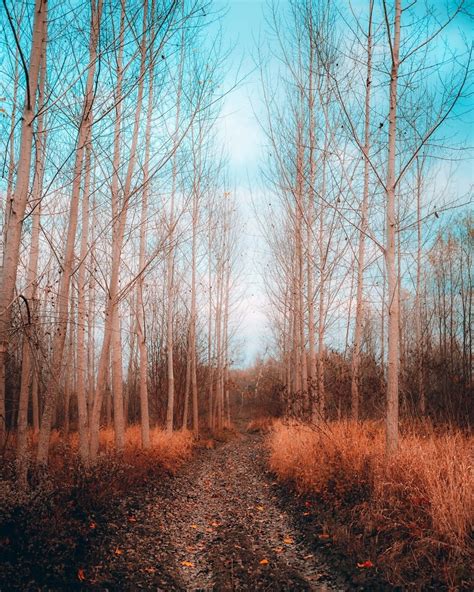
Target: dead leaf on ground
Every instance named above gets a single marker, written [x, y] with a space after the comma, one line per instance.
[288, 540]
[324, 536]
[187, 563]
[264, 562]
[365, 564]
[118, 551]
[81, 576]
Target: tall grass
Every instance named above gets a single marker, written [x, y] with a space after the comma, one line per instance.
[415, 509]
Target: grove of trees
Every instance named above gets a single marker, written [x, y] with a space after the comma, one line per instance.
[370, 272]
[120, 233]
[118, 226]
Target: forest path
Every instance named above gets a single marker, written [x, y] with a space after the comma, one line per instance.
[220, 524]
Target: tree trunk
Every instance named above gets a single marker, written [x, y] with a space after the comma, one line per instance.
[142, 348]
[82, 414]
[171, 254]
[418, 290]
[28, 347]
[51, 392]
[15, 210]
[359, 320]
[391, 250]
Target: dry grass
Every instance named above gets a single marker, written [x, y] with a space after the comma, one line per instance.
[415, 509]
[168, 449]
[260, 425]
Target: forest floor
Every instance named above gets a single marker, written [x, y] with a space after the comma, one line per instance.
[221, 523]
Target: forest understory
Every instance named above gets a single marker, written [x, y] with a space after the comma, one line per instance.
[228, 514]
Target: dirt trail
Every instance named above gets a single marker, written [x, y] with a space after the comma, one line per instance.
[219, 525]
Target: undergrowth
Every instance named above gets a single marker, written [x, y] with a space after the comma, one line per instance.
[46, 530]
[411, 513]
[260, 425]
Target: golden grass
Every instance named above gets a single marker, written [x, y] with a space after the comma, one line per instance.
[167, 449]
[419, 502]
[260, 425]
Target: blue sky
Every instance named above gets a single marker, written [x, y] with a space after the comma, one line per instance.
[238, 129]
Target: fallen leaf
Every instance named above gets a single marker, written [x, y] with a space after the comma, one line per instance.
[193, 525]
[132, 519]
[81, 576]
[365, 564]
[288, 541]
[215, 524]
[187, 563]
[260, 508]
[118, 551]
[92, 525]
[306, 513]
[324, 536]
[264, 562]
[150, 569]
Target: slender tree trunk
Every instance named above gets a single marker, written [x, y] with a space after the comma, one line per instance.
[192, 336]
[28, 348]
[15, 209]
[312, 370]
[91, 311]
[35, 400]
[210, 360]
[114, 341]
[418, 291]
[359, 320]
[82, 414]
[171, 254]
[322, 270]
[142, 348]
[70, 374]
[390, 248]
[11, 150]
[187, 389]
[51, 392]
